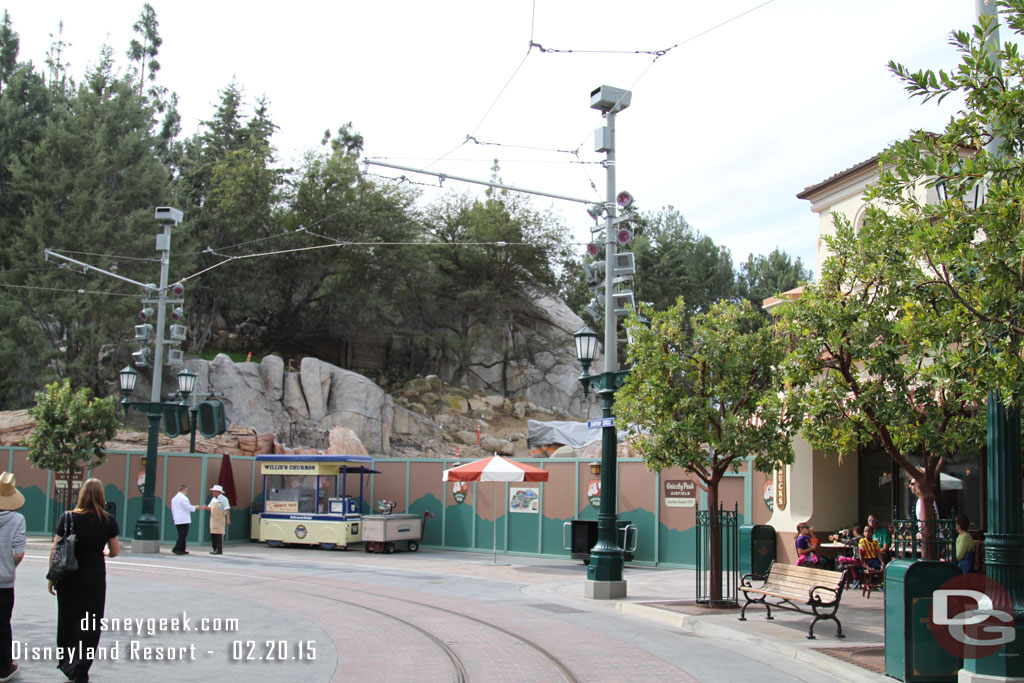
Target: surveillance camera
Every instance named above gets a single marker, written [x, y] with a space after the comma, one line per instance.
[166, 215]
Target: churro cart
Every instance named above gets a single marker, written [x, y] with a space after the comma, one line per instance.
[306, 499]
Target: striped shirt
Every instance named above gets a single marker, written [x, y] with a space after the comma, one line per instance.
[868, 548]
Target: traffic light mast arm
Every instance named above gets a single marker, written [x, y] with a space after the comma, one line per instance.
[47, 253]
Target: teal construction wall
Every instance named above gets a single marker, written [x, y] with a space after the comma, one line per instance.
[666, 533]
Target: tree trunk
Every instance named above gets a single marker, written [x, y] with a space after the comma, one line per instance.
[927, 528]
[716, 540]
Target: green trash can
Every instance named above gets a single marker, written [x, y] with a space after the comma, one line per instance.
[757, 549]
[911, 651]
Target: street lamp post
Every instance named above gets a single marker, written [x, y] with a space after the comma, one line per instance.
[147, 527]
[604, 573]
[186, 385]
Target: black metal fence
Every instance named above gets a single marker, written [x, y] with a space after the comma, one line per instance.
[717, 583]
[64, 497]
[915, 539]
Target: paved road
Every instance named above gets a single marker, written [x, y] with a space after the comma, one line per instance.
[296, 614]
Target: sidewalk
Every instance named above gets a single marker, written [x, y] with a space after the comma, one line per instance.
[668, 596]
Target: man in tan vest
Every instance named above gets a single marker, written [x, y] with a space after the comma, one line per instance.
[220, 517]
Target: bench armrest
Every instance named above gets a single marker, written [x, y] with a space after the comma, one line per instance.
[746, 580]
[814, 600]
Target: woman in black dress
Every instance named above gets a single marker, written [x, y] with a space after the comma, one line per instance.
[84, 592]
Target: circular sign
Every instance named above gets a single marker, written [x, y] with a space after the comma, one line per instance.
[301, 531]
[972, 616]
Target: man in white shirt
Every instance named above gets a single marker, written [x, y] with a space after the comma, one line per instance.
[181, 512]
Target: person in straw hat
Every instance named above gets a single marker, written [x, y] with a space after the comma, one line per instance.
[12, 551]
[219, 508]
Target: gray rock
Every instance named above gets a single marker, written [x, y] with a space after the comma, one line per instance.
[272, 374]
[316, 384]
[244, 399]
[565, 452]
[495, 402]
[293, 399]
[465, 437]
[410, 425]
[489, 443]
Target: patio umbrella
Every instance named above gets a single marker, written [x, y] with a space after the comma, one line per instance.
[495, 468]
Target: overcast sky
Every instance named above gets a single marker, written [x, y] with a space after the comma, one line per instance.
[727, 127]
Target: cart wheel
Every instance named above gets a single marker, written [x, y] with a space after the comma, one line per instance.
[367, 548]
[274, 544]
[389, 548]
[327, 546]
[413, 546]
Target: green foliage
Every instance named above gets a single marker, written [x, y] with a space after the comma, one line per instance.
[970, 245]
[765, 276]
[83, 179]
[863, 365]
[71, 430]
[709, 399]
[673, 260]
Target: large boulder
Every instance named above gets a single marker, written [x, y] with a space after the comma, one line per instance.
[245, 397]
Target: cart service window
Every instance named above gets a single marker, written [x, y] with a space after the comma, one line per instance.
[291, 493]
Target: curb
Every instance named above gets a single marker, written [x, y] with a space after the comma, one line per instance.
[835, 667]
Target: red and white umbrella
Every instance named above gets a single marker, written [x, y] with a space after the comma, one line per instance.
[495, 468]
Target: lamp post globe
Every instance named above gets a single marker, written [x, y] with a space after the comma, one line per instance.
[186, 382]
[127, 379]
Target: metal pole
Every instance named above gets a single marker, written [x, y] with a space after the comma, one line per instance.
[604, 572]
[445, 176]
[163, 245]
[1004, 538]
[147, 528]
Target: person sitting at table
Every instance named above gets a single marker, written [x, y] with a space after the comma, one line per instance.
[849, 535]
[805, 548]
[884, 537]
[965, 546]
[870, 550]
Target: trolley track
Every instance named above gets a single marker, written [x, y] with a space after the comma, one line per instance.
[461, 671]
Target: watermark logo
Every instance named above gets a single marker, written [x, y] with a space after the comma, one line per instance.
[972, 616]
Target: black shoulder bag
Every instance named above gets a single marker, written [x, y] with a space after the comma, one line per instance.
[63, 563]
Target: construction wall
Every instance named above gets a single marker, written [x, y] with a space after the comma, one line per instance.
[522, 519]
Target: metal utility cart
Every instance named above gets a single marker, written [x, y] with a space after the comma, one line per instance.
[387, 532]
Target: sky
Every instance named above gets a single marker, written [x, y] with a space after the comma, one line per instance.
[750, 103]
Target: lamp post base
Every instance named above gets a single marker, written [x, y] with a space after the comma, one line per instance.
[145, 546]
[604, 590]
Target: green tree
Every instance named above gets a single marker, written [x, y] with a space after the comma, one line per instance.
[673, 260]
[708, 400]
[764, 276]
[968, 239]
[145, 48]
[72, 428]
[863, 367]
[492, 260]
[86, 184]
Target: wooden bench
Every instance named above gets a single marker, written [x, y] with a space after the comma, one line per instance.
[790, 587]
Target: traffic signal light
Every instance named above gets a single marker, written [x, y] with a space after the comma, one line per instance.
[211, 418]
[176, 421]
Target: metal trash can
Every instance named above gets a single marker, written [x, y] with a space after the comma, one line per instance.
[757, 549]
[911, 651]
[583, 537]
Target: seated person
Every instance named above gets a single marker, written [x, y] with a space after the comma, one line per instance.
[805, 545]
[850, 536]
[884, 537]
[869, 550]
[965, 546]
